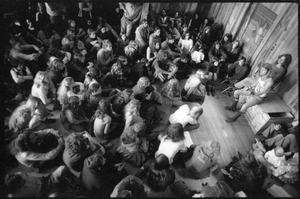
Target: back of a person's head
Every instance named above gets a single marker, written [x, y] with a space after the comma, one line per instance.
[159, 180]
[212, 149]
[175, 132]
[106, 43]
[94, 86]
[279, 152]
[170, 37]
[19, 119]
[13, 181]
[128, 136]
[42, 143]
[95, 162]
[76, 144]
[161, 162]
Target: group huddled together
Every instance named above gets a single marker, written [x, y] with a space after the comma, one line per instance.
[102, 86]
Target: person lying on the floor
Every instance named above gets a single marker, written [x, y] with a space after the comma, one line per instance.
[172, 142]
[187, 117]
[250, 96]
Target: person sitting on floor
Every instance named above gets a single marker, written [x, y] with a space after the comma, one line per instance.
[118, 77]
[148, 107]
[187, 117]
[183, 67]
[164, 68]
[197, 55]
[93, 95]
[203, 159]
[253, 95]
[131, 186]
[275, 157]
[169, 46]
[171, 93]
[73, 117]
[64, 87]
[28, 115]
[101, 121]
[142, 33]
[194, 89]
[132, 149]
[159, 175]
[56, 70]
[121, 43]
[105, 56]
[78, 147]
[132, 114]
[275, 136]
[100, 173]
[43, 87]
[34, 148]
[22, 77]
[58, 183]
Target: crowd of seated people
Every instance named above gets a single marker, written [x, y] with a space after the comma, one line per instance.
[106, 87]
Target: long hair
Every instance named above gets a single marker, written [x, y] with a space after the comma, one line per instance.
[212, 149]
[143, 83]
[19, 119]
[159, 174]
[103, 108]
[171, 88]
[288, 60]
[175, 132]
[106, 43]
[132, 108]
[42, 80]
[131, 49]
[64, 87]
[152, 46]
[162, 55]
[21, 116]
[268, 67]
[76, 144]
[55, 64]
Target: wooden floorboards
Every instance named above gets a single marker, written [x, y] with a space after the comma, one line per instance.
[233, 137]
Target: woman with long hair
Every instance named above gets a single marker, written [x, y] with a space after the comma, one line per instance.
[132, 114]
[43, 88]
[62, 91]
[186, 42]
[171, 93]
[28, 115]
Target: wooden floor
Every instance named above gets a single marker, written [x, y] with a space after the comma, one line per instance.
[233, 137]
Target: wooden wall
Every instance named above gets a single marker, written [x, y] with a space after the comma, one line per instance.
[281, 38]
